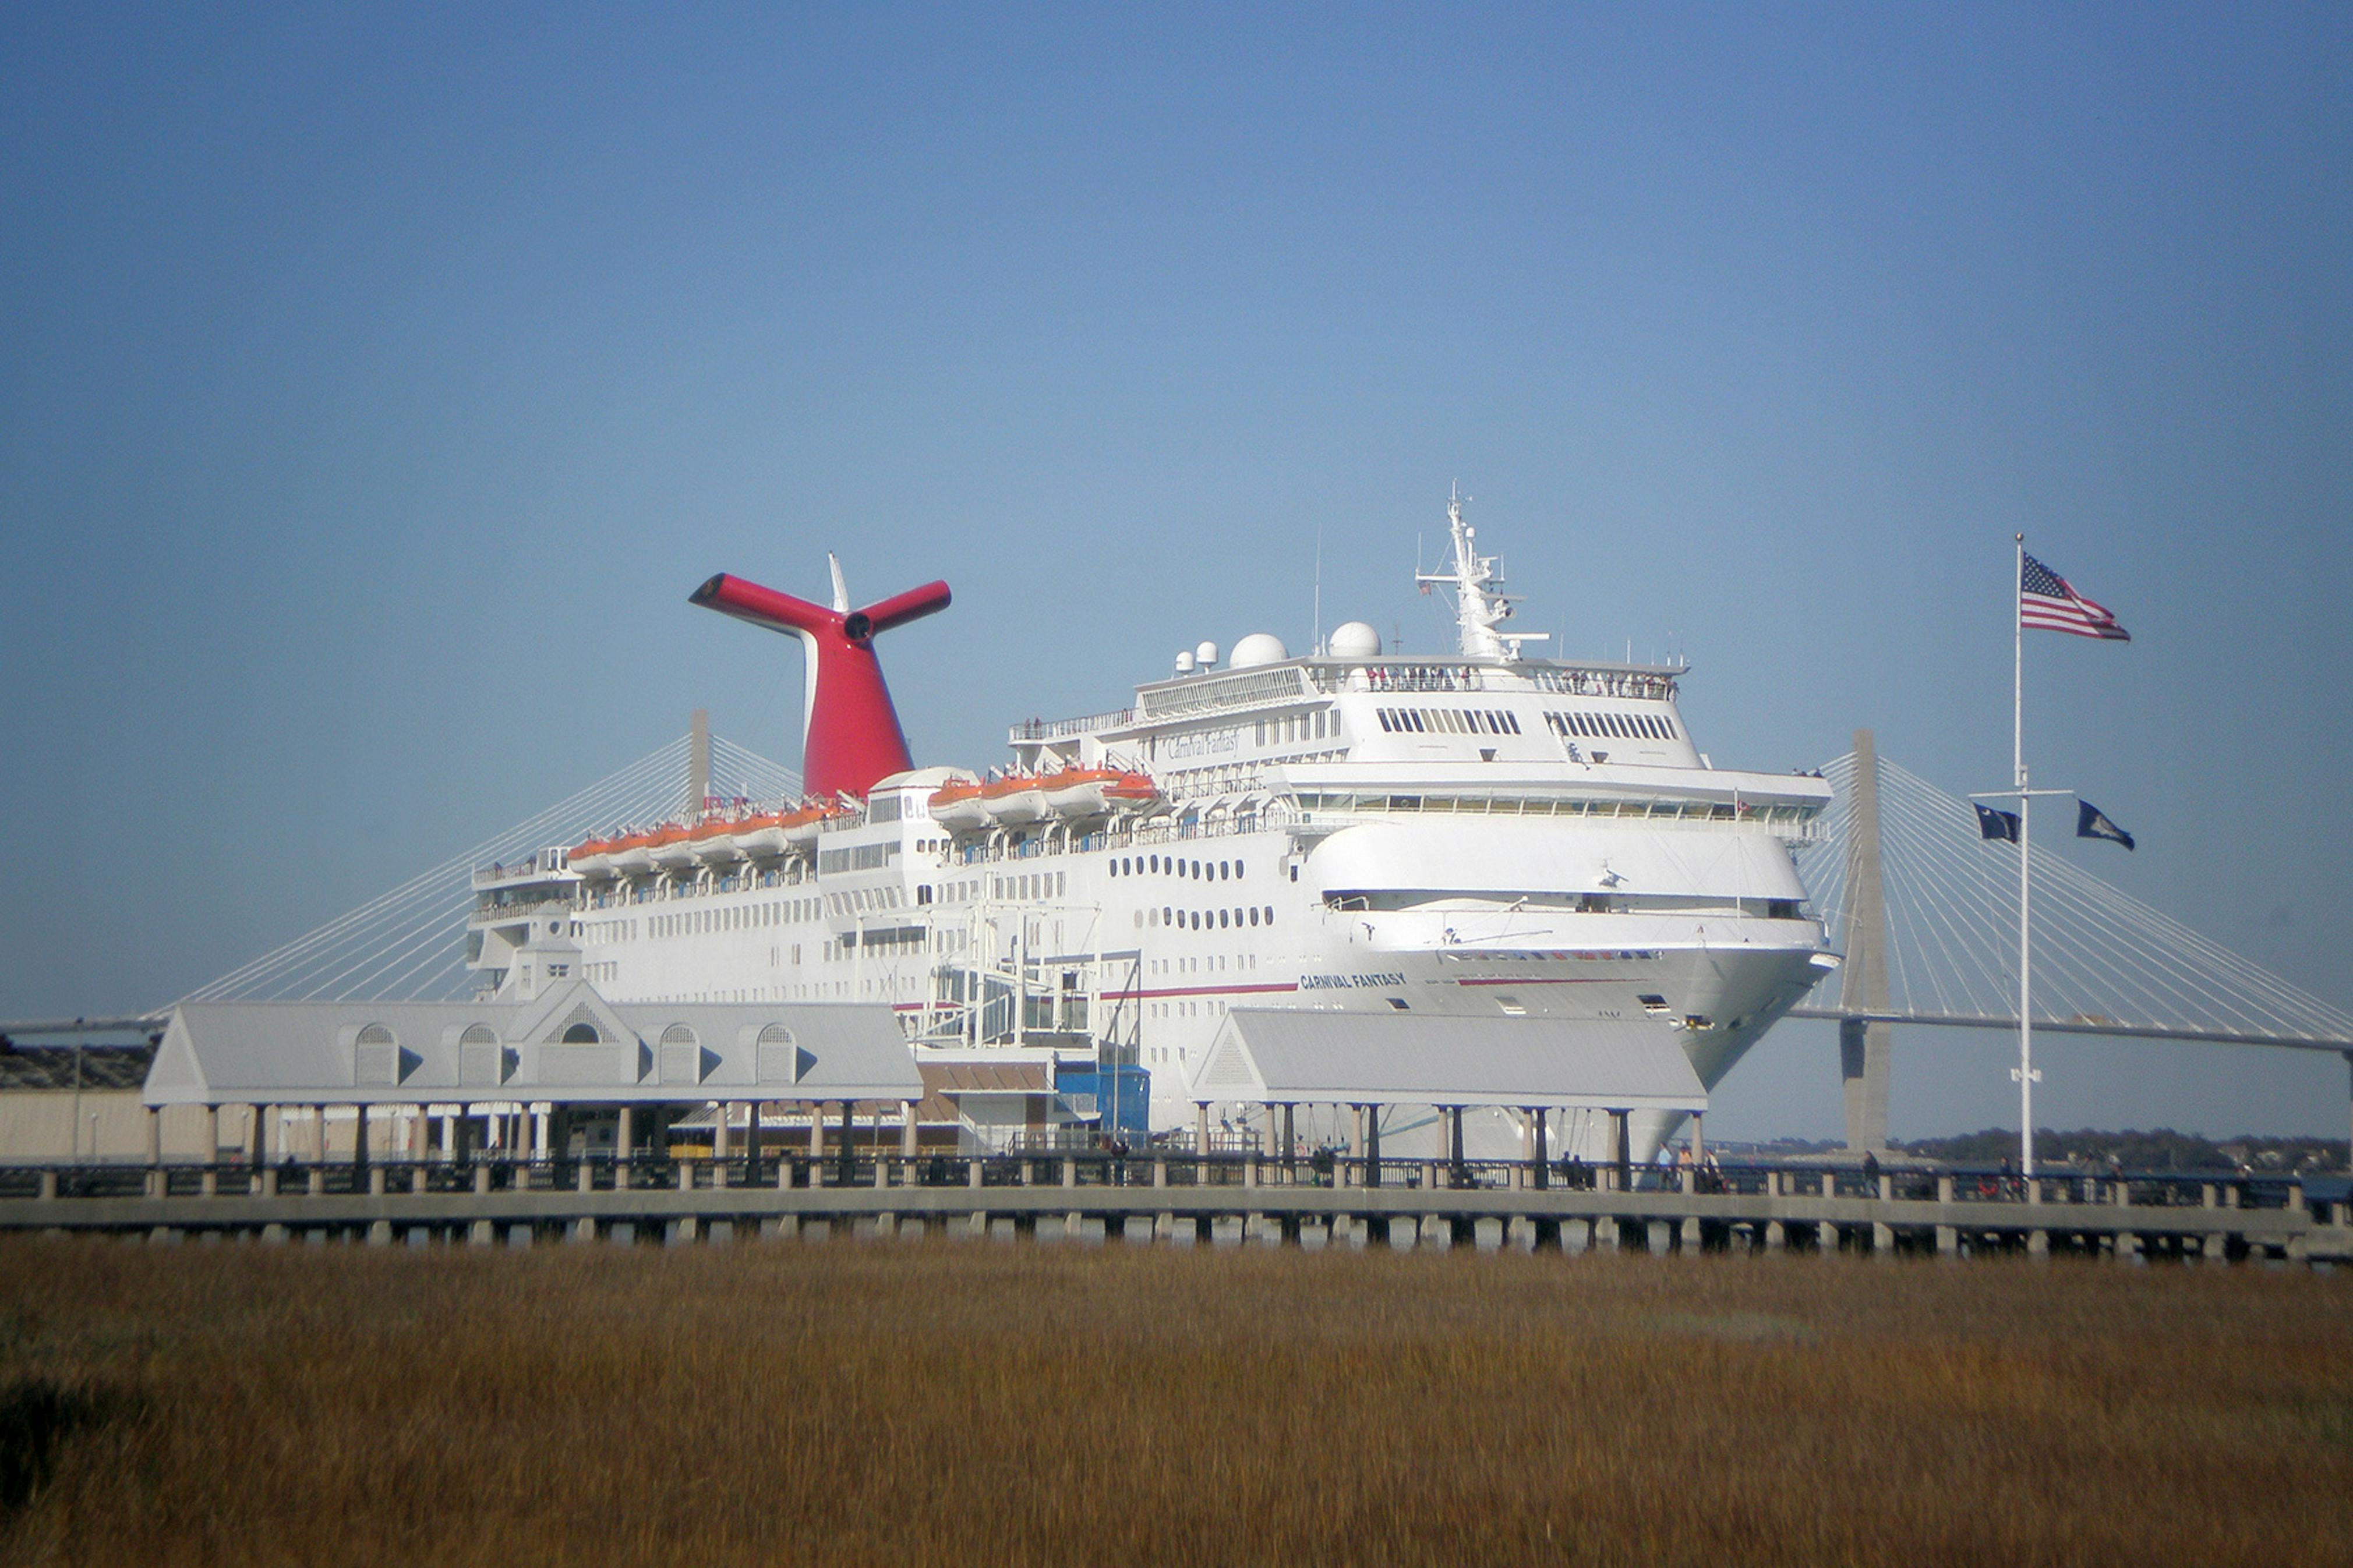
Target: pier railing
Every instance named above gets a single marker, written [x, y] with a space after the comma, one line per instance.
[1180, 1197]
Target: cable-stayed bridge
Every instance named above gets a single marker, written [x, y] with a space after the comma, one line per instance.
[407, 944]
[1925, 911]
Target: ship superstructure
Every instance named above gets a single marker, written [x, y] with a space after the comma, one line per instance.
[1357, 829]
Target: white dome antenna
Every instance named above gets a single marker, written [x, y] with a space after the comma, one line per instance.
[1256, 649]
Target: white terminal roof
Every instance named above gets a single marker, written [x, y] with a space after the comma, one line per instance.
[570, 1045]
[1282, 1057]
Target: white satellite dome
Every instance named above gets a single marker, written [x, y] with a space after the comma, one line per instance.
[1356, 640]
[1206, 655]
[1258, 648]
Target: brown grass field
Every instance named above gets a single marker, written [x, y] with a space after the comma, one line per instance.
[951, 1403]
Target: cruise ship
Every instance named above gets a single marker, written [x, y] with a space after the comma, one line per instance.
[1357, 829]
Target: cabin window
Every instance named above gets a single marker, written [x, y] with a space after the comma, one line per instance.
[1253, 917]
[582, 1035]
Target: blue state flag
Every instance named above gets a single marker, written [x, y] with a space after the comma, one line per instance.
[2090, 822]
[1992, 824]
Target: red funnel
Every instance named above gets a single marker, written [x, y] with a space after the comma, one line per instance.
[849, 732]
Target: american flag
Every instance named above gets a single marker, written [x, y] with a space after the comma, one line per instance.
[2045, 600]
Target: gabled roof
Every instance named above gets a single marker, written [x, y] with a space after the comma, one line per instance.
[571, 1045]
[1286, 1056]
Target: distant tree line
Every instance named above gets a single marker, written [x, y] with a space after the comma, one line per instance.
[2159, 1148]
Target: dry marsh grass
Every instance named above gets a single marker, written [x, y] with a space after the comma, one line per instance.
[954, 1402]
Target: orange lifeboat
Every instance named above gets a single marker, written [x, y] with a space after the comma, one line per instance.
[956, 805]
[1081, 792]
[801, 826]
[632, 854]
[590, 857]
[1133, 792]
[673, 847]
[1014, 800]
[762, 836]
[715, 841]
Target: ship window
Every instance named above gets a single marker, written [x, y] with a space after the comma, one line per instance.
[1238, 870]
[1400, 1004]
[375, 1034]
[1167, 914]
[1225, 869]
[1669, 725]
[1155, 863]
[1269, 914]
[1221, 918]
[1253, 917]
[678, 1035]
[582, 1035]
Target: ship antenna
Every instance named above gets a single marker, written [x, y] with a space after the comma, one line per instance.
[840, 588]
[1316, 640]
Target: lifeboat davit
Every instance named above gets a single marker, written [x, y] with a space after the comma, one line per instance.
[1096, 791]
[632, 854]
[762, 837]
[956, 805]
[673, 848]
[1015, 800]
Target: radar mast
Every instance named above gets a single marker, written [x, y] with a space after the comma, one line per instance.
[1480, 605]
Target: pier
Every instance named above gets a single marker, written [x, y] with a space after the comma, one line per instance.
[1183, 1199]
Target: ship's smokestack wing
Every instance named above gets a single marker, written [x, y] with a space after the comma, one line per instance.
[850, 731]
[762, 606]
[897, 610]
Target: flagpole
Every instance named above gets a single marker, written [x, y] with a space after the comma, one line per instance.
[2025, 883]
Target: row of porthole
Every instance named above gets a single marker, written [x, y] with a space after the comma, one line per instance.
[1158, 865]
[1205, 919]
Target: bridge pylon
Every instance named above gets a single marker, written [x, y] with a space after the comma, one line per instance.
[1866, 1046]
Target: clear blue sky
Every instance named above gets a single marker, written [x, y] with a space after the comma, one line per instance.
[374, 384]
